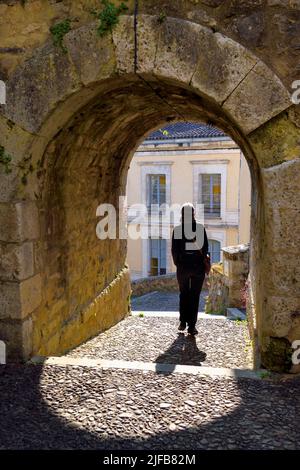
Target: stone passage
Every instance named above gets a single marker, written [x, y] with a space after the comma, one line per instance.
[152, 338]
[75, 113]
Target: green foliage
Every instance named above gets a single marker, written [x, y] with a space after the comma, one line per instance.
[161, 17]
[141, 315]
[26, 168]
[109, 16]
[58, 31]
[5, 160]
[265, 374]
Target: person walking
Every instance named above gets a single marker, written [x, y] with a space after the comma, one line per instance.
[190, 256]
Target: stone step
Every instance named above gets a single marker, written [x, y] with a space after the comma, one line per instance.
[172, 314]
[235, 314]
[65, 361]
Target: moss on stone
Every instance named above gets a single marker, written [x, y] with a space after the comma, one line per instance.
[277, 356]
[276, 142]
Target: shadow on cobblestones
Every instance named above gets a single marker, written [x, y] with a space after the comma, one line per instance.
[183, 350]
[47, 408]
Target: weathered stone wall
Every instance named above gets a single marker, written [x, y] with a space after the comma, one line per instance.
[76, 117]
[227, 281]
[217, 300]
[270, 29]
[166, 282]
[236, 270]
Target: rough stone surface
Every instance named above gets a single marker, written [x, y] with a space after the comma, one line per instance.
[220, 343]
[19, 300]
[123, 39]
[258, 98]
[282, 300]
[173, 57]
[54, 407]
[20, 222]
[58, 330]
[50, 77]
[227, 280]
[16, 261]
[92, 55]
[218, 291]
[17, 337]
[164, 283]
[278, 141]
[222, 65]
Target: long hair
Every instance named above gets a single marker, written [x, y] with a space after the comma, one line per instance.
[188, 215]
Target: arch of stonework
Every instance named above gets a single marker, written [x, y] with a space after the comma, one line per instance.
[77, 118]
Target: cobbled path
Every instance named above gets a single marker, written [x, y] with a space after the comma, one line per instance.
[220, 343]
[65, 406]
[54, 407]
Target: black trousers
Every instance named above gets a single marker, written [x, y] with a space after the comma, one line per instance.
[190, 281]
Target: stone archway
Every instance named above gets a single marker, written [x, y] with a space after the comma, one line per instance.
[73, 121]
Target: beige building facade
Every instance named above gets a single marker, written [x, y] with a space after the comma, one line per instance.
[185, 162]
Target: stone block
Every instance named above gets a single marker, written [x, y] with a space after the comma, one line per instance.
[175, 58]
[14, 139]
[50, 76]
[10, 301]
[280, 318]
[19, 222]
[282, 235]
[124, 42]
[30, 294]
[277, 182]
[92, 55]
[223, 64]
[282, 274]
[9, 185]
[18, 339]
[257, 99]
[278, 140]
[275, 354]
[16, 261]
[18, 300]
[147, 43]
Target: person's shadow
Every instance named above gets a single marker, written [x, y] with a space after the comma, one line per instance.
[183, 351]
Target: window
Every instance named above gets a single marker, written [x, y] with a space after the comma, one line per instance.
[156, 190]
[214, 250]
[210, 194]
[158, 258]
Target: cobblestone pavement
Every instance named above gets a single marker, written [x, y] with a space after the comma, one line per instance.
[50, 407]
[162, 302]
[220, 343]
[85, 407]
